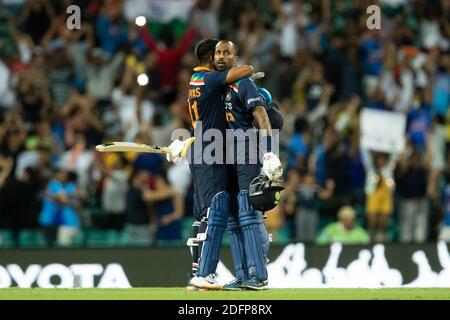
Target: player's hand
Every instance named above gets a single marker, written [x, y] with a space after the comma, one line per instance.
[272, 166]
[175, 151]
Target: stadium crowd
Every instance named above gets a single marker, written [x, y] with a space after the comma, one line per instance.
[63, 91]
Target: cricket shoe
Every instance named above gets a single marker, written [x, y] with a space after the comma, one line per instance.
[235, 285]
[190, 287]
[254, 284]
[209, 282]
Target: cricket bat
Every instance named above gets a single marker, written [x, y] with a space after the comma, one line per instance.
[138, 147]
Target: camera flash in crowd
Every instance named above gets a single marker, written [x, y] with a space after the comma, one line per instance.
[142, 79]
[141, 21]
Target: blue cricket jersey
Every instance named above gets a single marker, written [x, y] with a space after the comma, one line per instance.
[206, 92]
[242, 96]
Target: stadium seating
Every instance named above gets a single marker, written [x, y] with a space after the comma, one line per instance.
[102, 238]
[31, 238]
[6, 239]
[186, 228]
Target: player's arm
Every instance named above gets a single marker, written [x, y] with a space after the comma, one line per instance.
[237, 73]
[254, 102]
[216, 79]
[261, 117]
[151, 196]
[148, 39]
[177, 214]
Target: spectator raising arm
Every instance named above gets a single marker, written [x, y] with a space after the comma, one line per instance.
[6, 165]
[158, 195]
[178, 210]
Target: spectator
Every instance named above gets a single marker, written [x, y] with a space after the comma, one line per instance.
[111, 27]
[288, 205]
[6, 166]
[169, 57]
[79, 159]
[299, 145]
[114, 195]
[436, 155]
[36, 18]
[168, 205]
[411, 178]
[60, 75]
[337, 164]
[205, 16]
[307, 214]
[34, 100]
[344, 231]
[70, 221]
[135, 111]
[379, 191]
[419, 120]
[58, 216]
[20, 202]
[12, 136]
[42, 137]
[100, 72]
[137, 219]
[80, 119]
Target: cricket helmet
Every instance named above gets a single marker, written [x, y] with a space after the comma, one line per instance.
[276, 118]
[265, 94]
[264, 194]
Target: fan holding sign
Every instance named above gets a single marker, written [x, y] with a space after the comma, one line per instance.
[382, 140]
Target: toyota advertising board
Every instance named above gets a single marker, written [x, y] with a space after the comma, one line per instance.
[293, 266]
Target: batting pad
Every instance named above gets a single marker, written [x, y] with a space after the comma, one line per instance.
[248, 221]
[217, 218]
[237, 249]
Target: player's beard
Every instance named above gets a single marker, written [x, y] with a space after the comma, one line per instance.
[221, 67]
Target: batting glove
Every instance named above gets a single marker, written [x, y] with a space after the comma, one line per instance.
[176, 147]
[272, 166]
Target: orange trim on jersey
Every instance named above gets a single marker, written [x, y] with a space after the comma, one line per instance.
[202, 69]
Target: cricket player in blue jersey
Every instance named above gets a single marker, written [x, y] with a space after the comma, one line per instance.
[244, 105]
[206, 93]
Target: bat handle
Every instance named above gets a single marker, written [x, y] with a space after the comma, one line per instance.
[184, 152]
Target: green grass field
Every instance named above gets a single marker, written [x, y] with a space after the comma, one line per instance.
[182, 294]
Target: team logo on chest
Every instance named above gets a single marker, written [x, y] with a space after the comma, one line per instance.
[228, 96]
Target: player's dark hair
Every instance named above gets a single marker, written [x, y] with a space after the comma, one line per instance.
[204, 50]
[235, 47]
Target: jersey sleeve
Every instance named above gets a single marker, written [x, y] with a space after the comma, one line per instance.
[249, 95]
[215, 79]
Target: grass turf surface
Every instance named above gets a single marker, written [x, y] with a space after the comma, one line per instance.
[182, 294]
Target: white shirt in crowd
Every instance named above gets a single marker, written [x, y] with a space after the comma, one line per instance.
[115, 192]
[80, 165]
[127, 108]
[7, 95]
[179, 176]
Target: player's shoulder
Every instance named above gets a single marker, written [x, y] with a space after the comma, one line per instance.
[199, 74]
[244, 82]
[214, 76]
